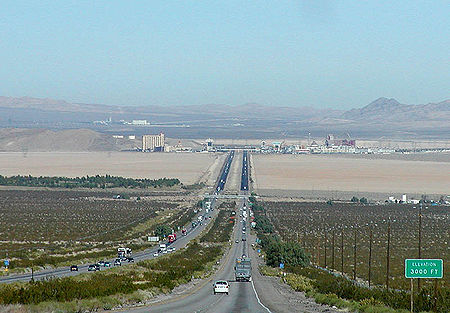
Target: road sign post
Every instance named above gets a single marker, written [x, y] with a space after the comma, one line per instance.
[423, 268]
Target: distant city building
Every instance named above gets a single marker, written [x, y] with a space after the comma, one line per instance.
[131, 137]
[153, 142]
[331, 141]
[209, 144]
[139, 122]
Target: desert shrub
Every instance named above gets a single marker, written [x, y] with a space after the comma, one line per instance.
[298, 282]
[221, 229]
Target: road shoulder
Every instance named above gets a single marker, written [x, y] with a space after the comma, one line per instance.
[280, 297]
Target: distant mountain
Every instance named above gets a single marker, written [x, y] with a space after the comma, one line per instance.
[382, 117]
[384, 109]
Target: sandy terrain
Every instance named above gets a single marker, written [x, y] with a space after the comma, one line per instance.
[188, 167]
[329, 173]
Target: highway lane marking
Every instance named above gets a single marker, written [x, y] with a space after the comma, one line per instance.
[257, 298]
[190, 292]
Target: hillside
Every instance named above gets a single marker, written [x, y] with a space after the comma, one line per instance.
[382, 117]
[28, 140]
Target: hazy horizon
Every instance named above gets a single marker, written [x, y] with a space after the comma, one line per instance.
[317, 54]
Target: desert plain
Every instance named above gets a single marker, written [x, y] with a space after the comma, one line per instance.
[408, 174]
[189, 168]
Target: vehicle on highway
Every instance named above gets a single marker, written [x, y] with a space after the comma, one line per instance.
[107, 264]
[172, 238]
[74, 268]
[93, 268]
[184, 231]
[155, 254]
[117, 262]
[123, 252]
[243, 269]
[221, 286]
[244, 238]
[101, 263]
[237, 241]
[130, 260]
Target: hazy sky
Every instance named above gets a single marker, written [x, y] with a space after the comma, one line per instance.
[339, 54]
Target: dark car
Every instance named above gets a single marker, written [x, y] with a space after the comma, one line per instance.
[117, 262]
[93, 268]
[130, 260]
[74, 268]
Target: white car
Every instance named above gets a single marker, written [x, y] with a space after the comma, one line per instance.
[155, 254]
[221, 286]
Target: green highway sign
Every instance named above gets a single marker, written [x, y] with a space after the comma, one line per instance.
[424, 268]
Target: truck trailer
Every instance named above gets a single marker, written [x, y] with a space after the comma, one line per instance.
[243, 269]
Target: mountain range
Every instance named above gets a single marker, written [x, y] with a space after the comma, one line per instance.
[382, 117]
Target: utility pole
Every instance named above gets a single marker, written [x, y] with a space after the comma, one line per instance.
[332, 251]
[420, 242]
[388, 254]
[342, 251]
[370, 256]
[325, 248]
[354, 257]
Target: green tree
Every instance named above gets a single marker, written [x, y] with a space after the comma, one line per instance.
[163, 230]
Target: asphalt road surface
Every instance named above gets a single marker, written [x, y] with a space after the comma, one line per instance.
[242, 295]
[147, 254]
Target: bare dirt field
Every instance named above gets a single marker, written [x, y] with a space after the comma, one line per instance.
[187, 167]
[333, 173]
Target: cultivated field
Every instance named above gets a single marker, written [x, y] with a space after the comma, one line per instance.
[335, 173]
[52, 226]
[309, 221]
[187, 167]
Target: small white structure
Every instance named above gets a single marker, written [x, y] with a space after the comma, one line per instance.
[404, 198]
[139, 122]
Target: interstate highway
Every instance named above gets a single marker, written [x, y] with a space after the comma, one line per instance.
[180, 243]
[242, 296]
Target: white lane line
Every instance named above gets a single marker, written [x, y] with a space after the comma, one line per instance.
[257, 298]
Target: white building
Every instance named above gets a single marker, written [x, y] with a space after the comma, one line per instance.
[139, 122]
[153, 142]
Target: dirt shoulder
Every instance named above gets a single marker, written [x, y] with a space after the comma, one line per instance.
[278, 296]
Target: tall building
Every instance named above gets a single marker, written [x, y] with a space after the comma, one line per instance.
[153, 142]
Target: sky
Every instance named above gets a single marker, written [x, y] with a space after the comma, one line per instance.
[339, 54]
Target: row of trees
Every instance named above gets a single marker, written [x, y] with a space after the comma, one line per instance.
[289, 253]
[97, 181]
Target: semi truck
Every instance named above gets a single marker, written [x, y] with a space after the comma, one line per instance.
[243, 269]
[123, 252]
[172, 238]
